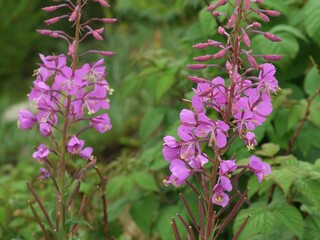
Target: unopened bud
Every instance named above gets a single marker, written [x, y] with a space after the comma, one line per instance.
[97, 36]
[214, 43]
[247, 4]
[273, 57]
[44, 31]
[203, 58]
[256, 25]
[54, 35]
[103, 3]
[216, 13]
[272, 13]
[252, 61]
[221, 30]
[221, 53]
[231, 20]
[52, 20]
[272, 37]
[264, 17]
[245, 37]
[197, 79]
[99, 30]
[106, 53]
[197, 66]
[50, 8]
[201, 45]
[74, 14]
[108, 20]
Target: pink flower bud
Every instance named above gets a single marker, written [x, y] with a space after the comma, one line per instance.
[74, 14]
[252, 61]
[197, 79]
[44, 31]
[256, 25]
[71, 48]
[228, 66]
[50, 8]
[273, 57]
[107, 54]
[103, 3]
[52, 20]
[197, 66]
[214, 43]
[272, 13]
[99, 30]
[96, 35]
[263, 17]
[221, 30]
[272, 37]
[201, 45]
[231, 20]
[54, 35]
[247, 4]
[203, 58]
[221, 53]
[108, 20]
[218, 4]
[246, 39]
[216, 13]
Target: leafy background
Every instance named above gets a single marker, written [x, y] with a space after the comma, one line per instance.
[153, 42]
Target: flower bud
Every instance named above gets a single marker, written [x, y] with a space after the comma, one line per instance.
[221, 53]
[50, 8]
[108, 20]
[197, 79]
[201, 45]
[74, 14]
[197, 66]
[52, 20]
[103, 3]
[44, 31]
[256, 25]
[245, 37]
[221, 30]
[106, 53]
[272, 37]
[252, 61]
[247, 4]
[272, 13]
[203, 58]
[263, 17]
[273, 57]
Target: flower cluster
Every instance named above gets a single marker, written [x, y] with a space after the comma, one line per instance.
[68, 94]
[242, 101]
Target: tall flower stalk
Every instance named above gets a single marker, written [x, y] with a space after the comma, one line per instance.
[70, 97]
[222, 109]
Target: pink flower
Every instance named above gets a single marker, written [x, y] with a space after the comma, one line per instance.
[259, 168]
[44, 174]
[41, 153]
[75, 145]
[267, 82]
[227, 166]
[220, 197]
[26, 119]
[86, 153]
[179, 171]
[101, 123]
[171, 148]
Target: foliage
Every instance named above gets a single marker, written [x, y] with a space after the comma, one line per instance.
[152, 52]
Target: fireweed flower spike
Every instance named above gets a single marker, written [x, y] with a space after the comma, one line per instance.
[65, 93]
[242, 99]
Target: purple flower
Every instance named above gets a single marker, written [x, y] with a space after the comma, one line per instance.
[75, 145]
[250, 140]
[44, 173]
[259, 168]
[51, 64]
[39, 92]
[220, 197]
[244, 120]
[26, 119]
[218, 131]
[86, 153]
[189, 143]
[188, 118]
[41, 153]
[199, 161]
[171, 148]
[227, 166]
[179, 171]
[267, 82]
[101, 123]
[45, 129]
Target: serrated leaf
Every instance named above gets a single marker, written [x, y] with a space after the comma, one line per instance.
[309, 189]
[260, 222]
[311, 19]
[115, 186]
[312, 81]
[145, 180]
[150, 122]
[312, 228]
[314, 115]
[253, 185]
[284, 178]
[207, 22]
[268, 150]
[143, 212]
[291, 218]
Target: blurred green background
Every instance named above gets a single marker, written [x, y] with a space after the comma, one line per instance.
[153, 40]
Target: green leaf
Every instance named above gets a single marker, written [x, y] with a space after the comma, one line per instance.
[260, 222]
[284, 178]
[145, 180]
[165, 82]
[143, 212]
[291, 218]
[309, 189]
[116, 186]
[78, 221]
[312, 81]
[207, 22]
[312, 228]
[253, 185]
[311, 19]
[268, 150]
[287, 28]
[150, 122]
